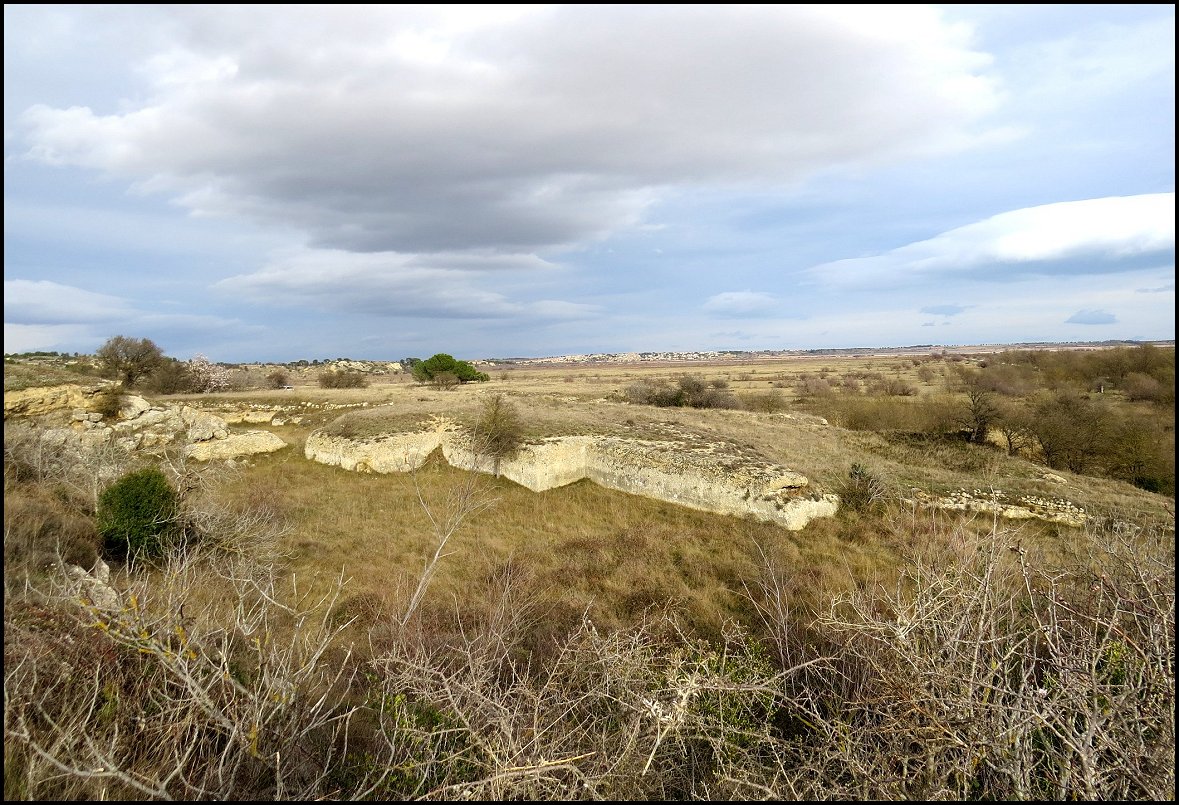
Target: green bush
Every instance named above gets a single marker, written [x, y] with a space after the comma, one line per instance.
[137, 514]
[434, 368]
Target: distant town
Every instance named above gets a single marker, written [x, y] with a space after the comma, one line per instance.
[737, 356]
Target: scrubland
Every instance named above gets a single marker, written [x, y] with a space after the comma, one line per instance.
[312, 633]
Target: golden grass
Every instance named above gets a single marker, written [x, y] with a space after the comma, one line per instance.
[585, 548]
[590, 549]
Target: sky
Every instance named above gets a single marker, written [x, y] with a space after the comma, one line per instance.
[275, 183]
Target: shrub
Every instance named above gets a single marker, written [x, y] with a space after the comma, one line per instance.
[348, 379]
[771, 402]
[689, 391]
[499, 431]
[278, 379]
[892, 387]
[862, 491]
[137, 514]
[108, 402]
[170, 377]
[1138, 386]
[811, 386]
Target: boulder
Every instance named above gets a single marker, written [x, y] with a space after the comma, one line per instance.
[240, 444]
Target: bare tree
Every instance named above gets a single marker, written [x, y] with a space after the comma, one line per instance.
[129, 359]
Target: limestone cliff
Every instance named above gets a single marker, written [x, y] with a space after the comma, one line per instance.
[699, 475]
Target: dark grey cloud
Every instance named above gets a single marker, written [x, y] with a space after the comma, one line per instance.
[419, 130]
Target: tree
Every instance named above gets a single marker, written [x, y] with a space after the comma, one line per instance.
[981, 412]
[207, 376]
[433, 367]
[129, 359]
[1072, 431]
[1013, 421]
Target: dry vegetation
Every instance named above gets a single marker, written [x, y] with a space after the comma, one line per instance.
[448, 635]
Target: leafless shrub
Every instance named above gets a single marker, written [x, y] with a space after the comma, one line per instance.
[642, 714]
[174, 694]
[769, 402]
[892, 387]
[343, 379]
[989, 675]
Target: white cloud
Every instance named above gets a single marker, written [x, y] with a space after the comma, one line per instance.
[945, 310]
[41, 315]
[388, 284]
[1092, 317]
[43, 337]
[742, 303]
[40, 302]
[411, 129]
[1091, 235]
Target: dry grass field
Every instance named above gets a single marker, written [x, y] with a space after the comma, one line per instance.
[614, 554]
[316, 633]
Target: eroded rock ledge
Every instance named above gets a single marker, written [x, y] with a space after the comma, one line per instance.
[699, 475]
[67, 418]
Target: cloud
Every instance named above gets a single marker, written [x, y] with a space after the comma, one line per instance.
[1092, 236]
[388, 284]
[1091, 317]
[945, 310]
[742, 303]
[42, 315]
[1168, 288]
[35, 337]
[411, 129]
[40, 302]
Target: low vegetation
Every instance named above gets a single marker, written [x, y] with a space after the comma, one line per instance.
[342, 379]
[487, 642]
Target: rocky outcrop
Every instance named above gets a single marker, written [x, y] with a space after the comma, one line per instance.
[138, 425]
[699, 475]
[235, 445]
[996, 503]
[37, 402]
[93, 588]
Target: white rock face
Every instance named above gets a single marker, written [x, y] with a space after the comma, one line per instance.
[994, 502]
[399, 452]
[236, 445]
[139, 425]
[699, 476]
